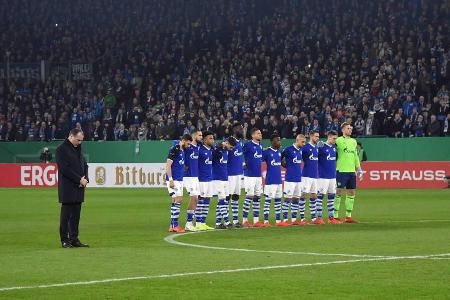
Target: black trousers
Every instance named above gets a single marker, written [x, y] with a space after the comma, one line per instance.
[69, 221]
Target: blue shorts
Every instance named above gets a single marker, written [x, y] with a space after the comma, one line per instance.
[346, 180]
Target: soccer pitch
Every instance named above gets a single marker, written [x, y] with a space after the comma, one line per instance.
[400, 250]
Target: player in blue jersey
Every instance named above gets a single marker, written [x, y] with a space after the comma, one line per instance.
[291, 160]
[220, 181]
[205, 158]
[273, 188]
[190, 179]
[235, 172]
[310, 156]
[252, 178]
[327, 174]
[174, 179]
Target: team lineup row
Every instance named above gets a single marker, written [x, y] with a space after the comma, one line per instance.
[207, 170]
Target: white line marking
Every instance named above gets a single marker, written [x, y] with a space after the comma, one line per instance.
[171, 239]
[404, 221]
[148, 277]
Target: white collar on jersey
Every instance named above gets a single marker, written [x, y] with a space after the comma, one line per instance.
[206, 147]
[295, 147]
[255, 143]
[274, 150]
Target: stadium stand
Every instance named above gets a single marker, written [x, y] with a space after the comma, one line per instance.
[290, 66]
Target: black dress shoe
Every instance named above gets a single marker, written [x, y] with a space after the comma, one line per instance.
[66, 245]
[78, 244]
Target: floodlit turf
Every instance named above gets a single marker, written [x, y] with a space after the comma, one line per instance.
[126, 229]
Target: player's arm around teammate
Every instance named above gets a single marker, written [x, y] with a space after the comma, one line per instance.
[252, 178]
[220, 182]
[327, 174]
[273, 185]
[174, 179]
[235, 172]
[190, 178]
[310, 174]
[292, 159]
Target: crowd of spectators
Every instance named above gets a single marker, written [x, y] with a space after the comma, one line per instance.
[163, 68]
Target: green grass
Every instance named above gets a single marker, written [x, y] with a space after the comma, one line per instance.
[126, 229]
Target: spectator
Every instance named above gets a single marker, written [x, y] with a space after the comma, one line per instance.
[362, 155]
[446, 128]
[98, 132]
[407, 128]
[419, 127]
[46, 156]
[434, 127]
[371, 125]
[396, 125]
[122, 133]
[360, 125]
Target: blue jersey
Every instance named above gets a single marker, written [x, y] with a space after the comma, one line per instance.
[176, 155]
[191, 161]
[220, 164]
[235, 160]
[272, 158]
[205, 156]
[310, 156]
[293, 158]
[253, 159]
[327, 161]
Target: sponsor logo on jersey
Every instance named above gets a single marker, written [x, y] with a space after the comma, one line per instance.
[312, 157]
[274, 163]
[329, 157]
[257, 155]
[296, 161]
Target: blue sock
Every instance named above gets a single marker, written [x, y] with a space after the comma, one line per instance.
[319, 203]
[256, 209]
[225, 212]
[246, 207]
[174, 214]
[199, 211]
[219, 211]
[294, 209]
[286, 209]
[278, 209]
[190, 215]
[312, 207]
[330, 205]
[267, 202]
[302, 204]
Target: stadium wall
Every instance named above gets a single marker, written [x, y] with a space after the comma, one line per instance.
[377, 149]
[393, 163]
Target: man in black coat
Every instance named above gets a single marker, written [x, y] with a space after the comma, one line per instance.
[72, 180]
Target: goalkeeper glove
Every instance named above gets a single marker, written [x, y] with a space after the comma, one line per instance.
[360, 173]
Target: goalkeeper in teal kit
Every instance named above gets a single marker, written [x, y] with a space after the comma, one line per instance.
[348, 167]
